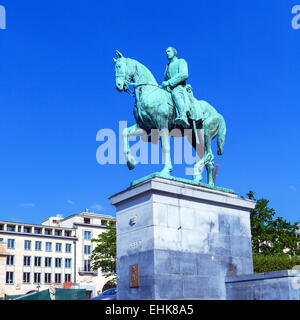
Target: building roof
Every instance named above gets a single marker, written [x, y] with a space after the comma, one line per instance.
[33, 225]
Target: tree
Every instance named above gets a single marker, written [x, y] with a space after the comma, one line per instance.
[104, 254]
[270, 235]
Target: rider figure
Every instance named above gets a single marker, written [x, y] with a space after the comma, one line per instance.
[175, 78]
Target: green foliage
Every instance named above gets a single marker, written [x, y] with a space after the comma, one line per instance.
[270, 235]
[104, 254]
[264, 263]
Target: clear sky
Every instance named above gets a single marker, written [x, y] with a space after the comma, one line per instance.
[57, 89]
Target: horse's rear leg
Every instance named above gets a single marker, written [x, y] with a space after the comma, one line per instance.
[199, 148]
[209, 161]
[165, 145]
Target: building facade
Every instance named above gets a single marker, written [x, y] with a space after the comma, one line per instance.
[54, 253]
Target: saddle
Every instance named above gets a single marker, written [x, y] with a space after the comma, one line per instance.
[194, 108]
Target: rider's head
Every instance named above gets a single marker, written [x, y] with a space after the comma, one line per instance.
[171, 53]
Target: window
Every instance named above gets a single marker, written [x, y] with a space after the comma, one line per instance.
[58, 247]
[48, 246]
[57, 278]
[48, 232]
[10, 260]
[47, 262]
[57, 232]
[1, 226]
[37, 277]
[47, 277]
[26, 277]
[37, 230]
[67, 263]
[87, 249]
[87, 265]
[26, 261]
[87, 235]
[103, 222]
[68, 247]
[10, 243]
[38, 245]
[87, 220]
[67, 277]
[37, 261]
[27, 244]
[19, 229]
[58, 262]
[67, 233]
[10, 228]
[9, 277]
[27, 229]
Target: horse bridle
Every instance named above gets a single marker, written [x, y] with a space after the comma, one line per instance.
[128, 83]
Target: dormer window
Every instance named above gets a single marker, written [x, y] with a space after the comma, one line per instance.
[67, 233]
[58, 232]
[87, 220]
[10, 228]
[37, 230]
[48, 232]
[27, 229]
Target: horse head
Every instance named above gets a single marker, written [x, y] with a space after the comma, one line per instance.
[123, 78]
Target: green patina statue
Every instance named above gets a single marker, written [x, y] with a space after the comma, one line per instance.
[169, 106]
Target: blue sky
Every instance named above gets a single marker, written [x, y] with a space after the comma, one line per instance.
[57, 90]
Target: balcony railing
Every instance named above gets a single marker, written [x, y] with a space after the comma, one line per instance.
[85, 271]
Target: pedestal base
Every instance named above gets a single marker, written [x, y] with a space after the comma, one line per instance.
[185, 239]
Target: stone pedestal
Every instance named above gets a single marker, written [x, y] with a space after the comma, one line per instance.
[276, 285]
[185, 239]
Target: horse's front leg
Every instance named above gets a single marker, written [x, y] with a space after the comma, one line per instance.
[127, 132]
[165, 145]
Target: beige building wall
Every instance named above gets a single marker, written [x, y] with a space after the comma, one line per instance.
[75, 231]
[3, 255]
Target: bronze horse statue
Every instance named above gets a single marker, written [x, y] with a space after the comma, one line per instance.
[154, 109]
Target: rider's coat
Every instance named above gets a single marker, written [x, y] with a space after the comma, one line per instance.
[176, 74]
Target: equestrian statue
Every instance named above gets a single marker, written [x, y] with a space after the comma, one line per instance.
[170, 106]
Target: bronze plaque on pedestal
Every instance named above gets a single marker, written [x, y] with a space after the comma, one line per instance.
[134, 276]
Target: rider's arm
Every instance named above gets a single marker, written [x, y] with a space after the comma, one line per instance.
[181, 76]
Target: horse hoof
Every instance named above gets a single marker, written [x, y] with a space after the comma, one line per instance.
[130, 165]
[166, 172]
[197, 178]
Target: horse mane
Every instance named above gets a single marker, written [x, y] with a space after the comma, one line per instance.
[145, 72]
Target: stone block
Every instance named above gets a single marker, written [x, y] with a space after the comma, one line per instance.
[277, 285]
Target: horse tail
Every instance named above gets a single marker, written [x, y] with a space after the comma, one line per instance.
[221, 135]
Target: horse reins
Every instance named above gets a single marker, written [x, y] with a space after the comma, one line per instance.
[131, 93]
